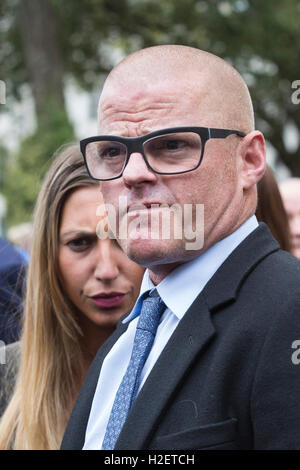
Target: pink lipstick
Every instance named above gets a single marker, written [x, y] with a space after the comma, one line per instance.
[112, 299]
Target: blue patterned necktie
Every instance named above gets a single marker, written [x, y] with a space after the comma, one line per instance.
[149, 318]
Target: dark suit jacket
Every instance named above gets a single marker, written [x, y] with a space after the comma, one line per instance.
[226, 378]
[12, 278]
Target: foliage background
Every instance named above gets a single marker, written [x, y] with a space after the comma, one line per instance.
[46, 43]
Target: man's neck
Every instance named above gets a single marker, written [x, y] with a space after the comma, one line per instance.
[160, 271]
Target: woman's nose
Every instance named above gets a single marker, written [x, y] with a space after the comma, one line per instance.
[106, 268]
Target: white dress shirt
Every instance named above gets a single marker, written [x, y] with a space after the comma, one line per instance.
[178, 291]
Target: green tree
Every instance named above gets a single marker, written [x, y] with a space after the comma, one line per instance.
[32, 33]
[42, 44]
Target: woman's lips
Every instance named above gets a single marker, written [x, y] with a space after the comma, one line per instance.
[112, 299]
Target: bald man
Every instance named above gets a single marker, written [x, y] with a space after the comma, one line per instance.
[207, 358]
[290, 193]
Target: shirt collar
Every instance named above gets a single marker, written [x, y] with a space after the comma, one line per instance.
[181, 287]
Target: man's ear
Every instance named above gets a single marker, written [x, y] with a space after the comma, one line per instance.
[252, 153]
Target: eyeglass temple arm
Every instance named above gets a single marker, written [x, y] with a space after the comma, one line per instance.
[222, 133]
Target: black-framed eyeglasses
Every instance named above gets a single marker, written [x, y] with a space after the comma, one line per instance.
[166, 152]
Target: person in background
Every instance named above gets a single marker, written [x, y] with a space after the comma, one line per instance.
[290, 193]
[20, 237]
[79, 285]
[12, 279]
[270, 209]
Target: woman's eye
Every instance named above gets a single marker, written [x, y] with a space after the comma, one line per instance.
[79, 244]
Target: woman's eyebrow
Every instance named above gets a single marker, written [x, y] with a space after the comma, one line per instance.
[76, 233]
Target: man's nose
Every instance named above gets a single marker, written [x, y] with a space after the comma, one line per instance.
[106, 264]
[137, 171]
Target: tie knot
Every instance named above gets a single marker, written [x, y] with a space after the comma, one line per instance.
[153, 293]
[152, 309]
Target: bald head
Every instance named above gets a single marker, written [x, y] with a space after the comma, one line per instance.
[204, 76]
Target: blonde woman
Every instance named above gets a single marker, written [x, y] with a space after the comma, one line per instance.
[78, 287]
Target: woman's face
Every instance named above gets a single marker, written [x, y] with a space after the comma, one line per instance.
[100, 280]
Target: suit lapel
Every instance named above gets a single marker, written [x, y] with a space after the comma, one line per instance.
[225, 284]
[191, 335]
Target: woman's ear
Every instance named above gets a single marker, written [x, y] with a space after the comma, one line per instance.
[252, 153]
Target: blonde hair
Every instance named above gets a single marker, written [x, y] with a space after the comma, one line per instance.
[51, 363]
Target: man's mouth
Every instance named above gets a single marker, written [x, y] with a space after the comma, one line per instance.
[144, 206]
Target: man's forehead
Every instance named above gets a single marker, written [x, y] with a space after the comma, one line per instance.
[210, 86]
[137, 92]
[167, 101]
[142, 110]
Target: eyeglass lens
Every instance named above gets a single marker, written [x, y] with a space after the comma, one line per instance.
[169, 153]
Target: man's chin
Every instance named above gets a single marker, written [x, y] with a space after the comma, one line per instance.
[148, 252]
